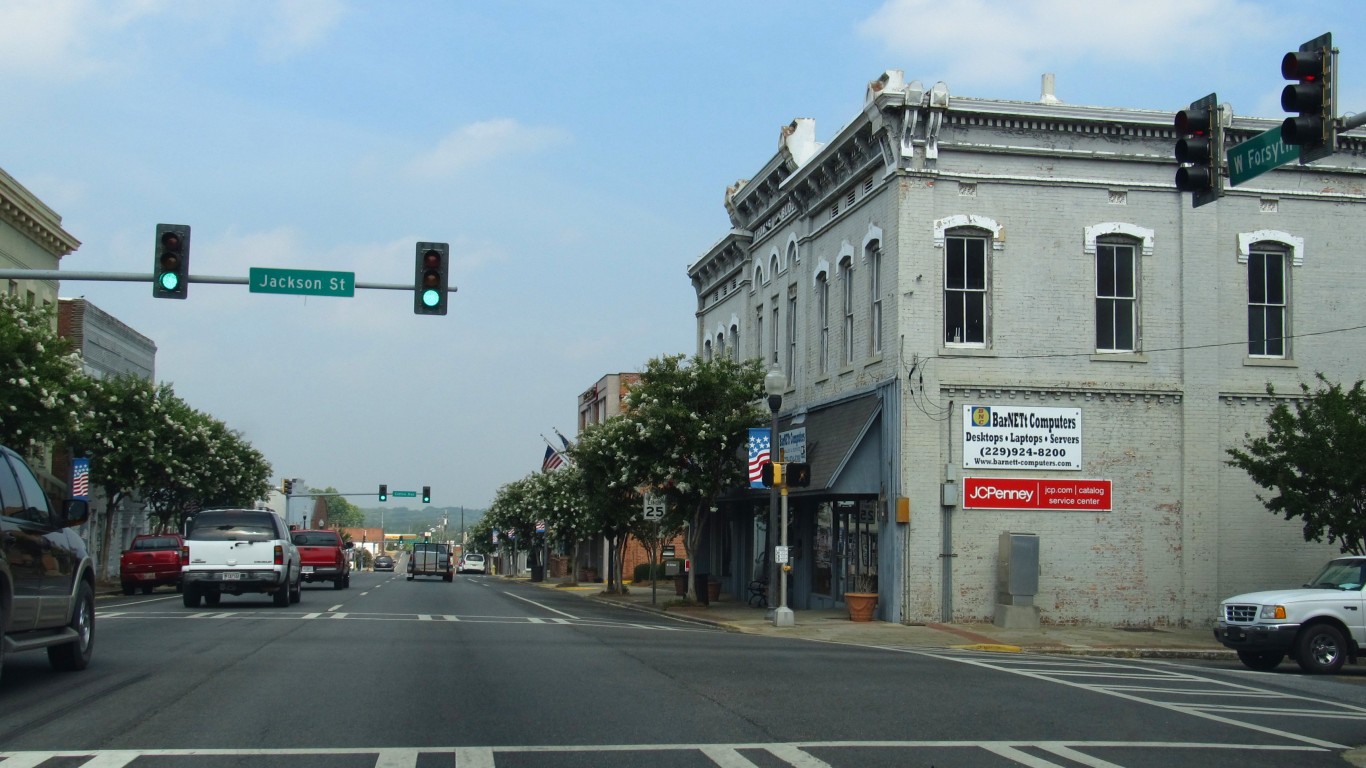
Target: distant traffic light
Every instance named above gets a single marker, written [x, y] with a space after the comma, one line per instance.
[287, 486]
[431, 278]
[1199, 149]
[426, 494]
[171, 266]
[797, 474]
[1313, 97]
[383, 492]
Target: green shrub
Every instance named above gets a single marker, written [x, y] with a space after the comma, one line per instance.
[642, 572]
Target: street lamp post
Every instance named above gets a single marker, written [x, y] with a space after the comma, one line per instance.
[774, 384]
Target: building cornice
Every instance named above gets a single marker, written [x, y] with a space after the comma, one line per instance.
[22, 210]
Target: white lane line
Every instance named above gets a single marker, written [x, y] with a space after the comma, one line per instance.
[792, 755]
[472, 757]
[1023, 758]
[339, 615]
[311, 615]
[543, 607]
[335, 607]
[1068, 753]
[424, 617]
[449, 617]
[534, 620]
[397, 758]
[727, 757]
[112, 759]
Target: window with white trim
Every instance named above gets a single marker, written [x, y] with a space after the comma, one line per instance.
[874, 299]
[823, 316]
[706, 350]
[720, 345]
[734, 341]
[847, 275]
[777, 340]
[1268, 300]
[759, 332]
[1116, 295]
[791, 334]
[966, 277]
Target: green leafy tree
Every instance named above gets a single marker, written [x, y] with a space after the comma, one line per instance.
[1312, 460]
[340, 512]
[691, 419]
[41, 382]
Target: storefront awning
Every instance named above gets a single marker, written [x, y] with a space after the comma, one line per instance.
[843, 446]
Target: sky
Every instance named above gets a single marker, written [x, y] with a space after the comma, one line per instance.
[574, 155]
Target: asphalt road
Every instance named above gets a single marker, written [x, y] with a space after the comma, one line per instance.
[486, 671]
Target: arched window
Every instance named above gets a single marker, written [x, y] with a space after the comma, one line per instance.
[823, 319]
[847, 275]
[873, 253]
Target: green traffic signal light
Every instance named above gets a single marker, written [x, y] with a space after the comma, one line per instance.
[430, 298]
[426, 494]
[171, 268]
[383, 492]
[431, 278]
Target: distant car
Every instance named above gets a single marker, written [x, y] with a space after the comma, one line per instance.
[384, 563]
[472, 563]
[151, 561]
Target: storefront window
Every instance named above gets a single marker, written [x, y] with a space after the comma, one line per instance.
[823, 571]
[861, 560]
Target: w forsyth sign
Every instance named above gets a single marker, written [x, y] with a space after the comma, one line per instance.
[1012, 437]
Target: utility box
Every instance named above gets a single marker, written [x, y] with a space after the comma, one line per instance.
[671, 568]
[1017, 581]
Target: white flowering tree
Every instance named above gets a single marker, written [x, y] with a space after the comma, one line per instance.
[559, 497]
[689, 422]
[612, 498]
[41, 382]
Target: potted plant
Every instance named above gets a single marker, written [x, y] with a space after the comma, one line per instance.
[862, 603]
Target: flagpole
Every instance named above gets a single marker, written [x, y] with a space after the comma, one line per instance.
[558, 452]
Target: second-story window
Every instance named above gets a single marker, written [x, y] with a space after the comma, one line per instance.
[777, 340]
[823, 317]
[847, 275]
[759, 332]
[734, 341]
[1116, 297]
[791, 335]
[1268, 306]
[965, 289]
[875, 300]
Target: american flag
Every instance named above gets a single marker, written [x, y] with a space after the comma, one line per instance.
[758, 455]
[553, 460]
[80, 478]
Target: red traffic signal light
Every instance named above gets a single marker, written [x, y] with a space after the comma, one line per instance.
[1199, 150]
[431, 278]
[171, 266]
[1313, 98]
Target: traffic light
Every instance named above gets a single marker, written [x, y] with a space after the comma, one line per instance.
[426, 494]
[171, 268]
[1200, 150]
[287, 486]
[383, 492]
[798, 474]
[771, 474]
[1313, 97]
[431, 278]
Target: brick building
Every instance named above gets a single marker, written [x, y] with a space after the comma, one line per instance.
[978, 301]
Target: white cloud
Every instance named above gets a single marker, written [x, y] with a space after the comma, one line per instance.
[978, 41]
[296, 25]
[57, 39]
[484, 142]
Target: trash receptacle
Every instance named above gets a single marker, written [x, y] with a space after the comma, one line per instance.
[700, 585]
[538, 573]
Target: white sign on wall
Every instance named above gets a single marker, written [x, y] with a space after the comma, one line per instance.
[1015, 437]
[792, 444]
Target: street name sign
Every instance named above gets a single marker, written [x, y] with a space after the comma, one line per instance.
[405, 494]
[307, 282]
[1258, 155]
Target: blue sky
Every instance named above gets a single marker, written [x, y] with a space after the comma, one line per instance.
[574, 155]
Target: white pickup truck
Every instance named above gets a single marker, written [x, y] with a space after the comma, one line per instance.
[239, 551]
[1321, 625]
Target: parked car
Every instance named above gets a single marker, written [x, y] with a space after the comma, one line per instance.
[472, 562]
[47, 583]
[428, 559]
[239, 551]
[1321, 625]
[324, 557]
[151, 561]
[384, 563]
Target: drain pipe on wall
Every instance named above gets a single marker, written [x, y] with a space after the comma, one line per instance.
[948, 499]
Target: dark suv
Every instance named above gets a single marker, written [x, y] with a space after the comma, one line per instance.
[47, 583]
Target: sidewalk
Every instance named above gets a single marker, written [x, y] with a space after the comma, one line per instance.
[835, 626]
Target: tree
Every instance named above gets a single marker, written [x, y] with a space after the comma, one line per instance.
[611, 498]
[341, 513]
[41, 382]
[691, 419]
[1312, 457]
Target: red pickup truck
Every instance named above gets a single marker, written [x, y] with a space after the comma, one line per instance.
[151, 561]
[324, 557]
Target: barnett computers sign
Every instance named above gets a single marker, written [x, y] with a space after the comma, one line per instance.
[1033, 493]
[1013, 437]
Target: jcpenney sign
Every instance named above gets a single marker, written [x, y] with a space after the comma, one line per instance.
[1021, 493]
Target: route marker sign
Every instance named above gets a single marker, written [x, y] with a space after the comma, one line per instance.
[1258, 155]
[307, 282]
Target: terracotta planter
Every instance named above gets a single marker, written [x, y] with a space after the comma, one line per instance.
[861, 605]
[681, 585]
[713, 591]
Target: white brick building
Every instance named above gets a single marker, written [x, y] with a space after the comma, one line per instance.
[942, 255]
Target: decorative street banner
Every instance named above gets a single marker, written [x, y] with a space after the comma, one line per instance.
[758, 455]
[1028, 493]
[1015, 437]
[80, 479]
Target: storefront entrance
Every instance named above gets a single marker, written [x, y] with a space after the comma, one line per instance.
[844, 553]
